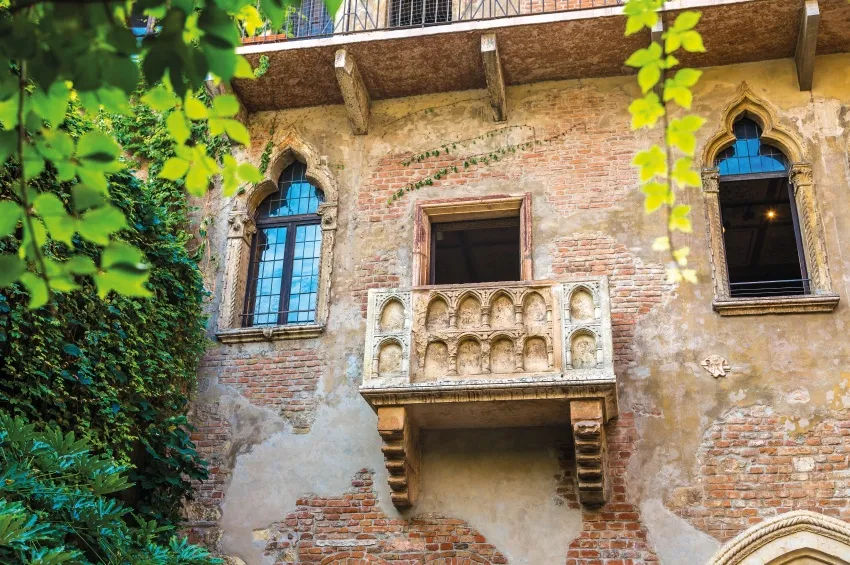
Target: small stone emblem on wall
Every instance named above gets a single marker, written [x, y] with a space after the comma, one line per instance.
[716, 365]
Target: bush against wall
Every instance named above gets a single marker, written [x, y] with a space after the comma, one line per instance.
[117, 371]
[55, 506]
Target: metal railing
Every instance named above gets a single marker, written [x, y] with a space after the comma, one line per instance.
[758, 289]
[312, 20]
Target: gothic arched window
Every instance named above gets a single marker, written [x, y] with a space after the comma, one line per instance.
[761, 228]
[283, 281]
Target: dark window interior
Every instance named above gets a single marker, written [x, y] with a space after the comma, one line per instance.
[475, 251]
[419, 12]
[760, 228]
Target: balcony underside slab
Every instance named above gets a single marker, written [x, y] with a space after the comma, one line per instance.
[490, 404]
[538, 47]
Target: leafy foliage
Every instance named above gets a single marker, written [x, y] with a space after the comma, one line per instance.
[55, 506]
[657, 170]
[116, 370]
[57, 53]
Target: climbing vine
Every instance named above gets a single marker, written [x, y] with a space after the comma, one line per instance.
[665, 167]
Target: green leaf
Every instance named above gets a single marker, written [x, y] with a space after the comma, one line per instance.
[249, 173]
[197, 181]
[657, 195]
[84, 197]
[53, 104]
[122, 281]
[11, 268]
[651, 162]
[175, 168]
[684, 175]
[687, 77]
[237, 132]
[243, 68]
[648, 77]
[686, 20]
[225, 106]
[194, 108]
[80, 265]
[119, 253]
[99, 152]
[177, 127]
[10, 214]
[160, 99]
[98, 224]
[646, 111]
[643, 57]
[37, 288]
[679, 218]
[59, 223]
[332, 7]
[692, 42]
[679, 94]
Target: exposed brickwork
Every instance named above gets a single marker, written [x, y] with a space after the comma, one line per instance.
[285, 380]
[635, 287]
[614, 534]
[750, 467]
[378, 271]
[211, 437]
[351, 529]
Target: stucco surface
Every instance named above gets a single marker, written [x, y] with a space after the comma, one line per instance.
[502, 483]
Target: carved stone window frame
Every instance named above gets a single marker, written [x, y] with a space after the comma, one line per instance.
[467, 209]
[821, 298]
[242, 229]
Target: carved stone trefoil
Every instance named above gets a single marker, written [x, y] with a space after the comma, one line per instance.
[716, 366]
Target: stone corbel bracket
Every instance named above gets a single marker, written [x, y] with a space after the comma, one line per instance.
[354, 93]
[807, 41]
[587, 420]
[495, 77]
[400, 437]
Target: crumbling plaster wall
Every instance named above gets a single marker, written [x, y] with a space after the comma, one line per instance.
[506, 485]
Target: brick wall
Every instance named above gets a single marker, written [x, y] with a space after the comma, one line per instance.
[352, 529]
[613, 534]
[635, 287]
[284, 380]
[750, 467]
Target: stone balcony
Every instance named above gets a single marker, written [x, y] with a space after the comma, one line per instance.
[487, 356]
[361, 59]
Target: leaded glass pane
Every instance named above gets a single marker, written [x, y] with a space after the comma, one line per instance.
[295, 195]
[748, 154]
[269, 266]
[305, 274]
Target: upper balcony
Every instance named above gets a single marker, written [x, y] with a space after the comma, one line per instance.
[410, 47]
[491, 355]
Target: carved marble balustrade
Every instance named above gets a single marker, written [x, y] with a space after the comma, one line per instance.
[491, 355]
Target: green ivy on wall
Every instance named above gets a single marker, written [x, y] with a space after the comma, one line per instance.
[118, 371]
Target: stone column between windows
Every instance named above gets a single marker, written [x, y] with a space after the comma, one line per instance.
[714, 226]
[238, 256]
[810, 225]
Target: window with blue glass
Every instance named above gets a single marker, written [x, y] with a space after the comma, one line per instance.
[761, 231]
[284, 276]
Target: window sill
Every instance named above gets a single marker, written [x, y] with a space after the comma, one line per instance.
[269, 333]
[776, 305]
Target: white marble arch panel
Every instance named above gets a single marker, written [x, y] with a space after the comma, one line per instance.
[794, 538]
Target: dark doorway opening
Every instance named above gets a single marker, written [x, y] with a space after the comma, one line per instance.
[761, 234]
[419, 12]
[475, 251]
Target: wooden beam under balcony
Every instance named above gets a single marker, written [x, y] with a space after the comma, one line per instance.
[807, 43]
